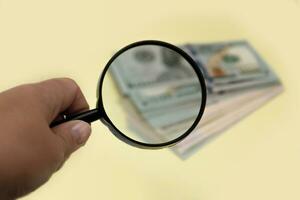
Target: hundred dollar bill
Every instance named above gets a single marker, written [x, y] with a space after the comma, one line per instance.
[149, 65]
[229, 61]
[166, 95]
[231, 65]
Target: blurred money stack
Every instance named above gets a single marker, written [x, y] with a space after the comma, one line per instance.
[238, 81]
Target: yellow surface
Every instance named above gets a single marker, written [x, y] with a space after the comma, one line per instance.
[257, 159]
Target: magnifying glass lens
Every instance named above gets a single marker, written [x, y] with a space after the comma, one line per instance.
[151, 94]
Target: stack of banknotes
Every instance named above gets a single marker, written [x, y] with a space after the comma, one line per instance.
[238, 81]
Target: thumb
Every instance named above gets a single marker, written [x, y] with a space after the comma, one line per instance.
[73, 134]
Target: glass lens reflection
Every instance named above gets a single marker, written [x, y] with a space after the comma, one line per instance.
[151, 94]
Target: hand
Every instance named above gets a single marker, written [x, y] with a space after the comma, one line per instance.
[30, 151]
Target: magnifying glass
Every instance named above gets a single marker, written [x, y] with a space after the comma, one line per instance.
[151, 95]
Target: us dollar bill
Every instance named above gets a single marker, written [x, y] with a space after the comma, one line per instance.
[231, 65]
[149, 65]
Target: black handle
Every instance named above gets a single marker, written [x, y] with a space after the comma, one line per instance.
[88, 116]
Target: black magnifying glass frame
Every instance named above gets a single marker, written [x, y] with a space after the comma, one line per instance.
[99, 112]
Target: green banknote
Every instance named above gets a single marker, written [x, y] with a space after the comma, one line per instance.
[231, 65]
[165, 96]
[149, 66]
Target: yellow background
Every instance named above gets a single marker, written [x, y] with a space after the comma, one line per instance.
[257, 159]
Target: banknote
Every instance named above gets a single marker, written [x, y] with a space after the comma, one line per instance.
[149, 65]
[167, 95]
[269, 80]
[231, 65]
[229, 61]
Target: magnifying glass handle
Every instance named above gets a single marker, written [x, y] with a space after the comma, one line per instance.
[88, 116]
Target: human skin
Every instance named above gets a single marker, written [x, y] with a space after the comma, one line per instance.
[31, 151]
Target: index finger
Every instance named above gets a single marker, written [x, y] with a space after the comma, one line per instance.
[61, 95]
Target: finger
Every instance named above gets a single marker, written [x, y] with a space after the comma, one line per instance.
[72, 135]
[61, 95]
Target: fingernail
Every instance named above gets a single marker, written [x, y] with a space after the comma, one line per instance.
[81, 132]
